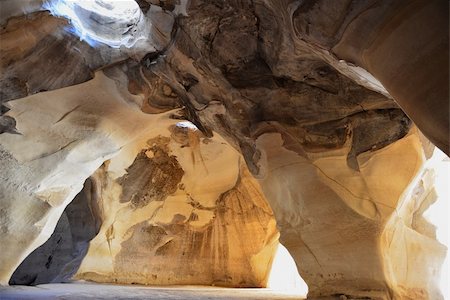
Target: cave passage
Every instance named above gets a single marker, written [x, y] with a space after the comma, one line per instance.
[224, 149]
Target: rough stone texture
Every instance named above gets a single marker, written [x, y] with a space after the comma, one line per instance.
[161, 225]
[404, 44]
[46, 47]
[60, 256]
[336, 157]
[364, 216]
[157, 224]
[62, 141]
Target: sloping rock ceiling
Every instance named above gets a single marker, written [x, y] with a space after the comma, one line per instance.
[303, 114]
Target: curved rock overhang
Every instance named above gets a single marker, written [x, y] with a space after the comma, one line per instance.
[286, 84]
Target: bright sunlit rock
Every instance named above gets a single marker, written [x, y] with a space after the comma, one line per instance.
[187, 124]
[284, 275]
[439, 211]
[115, 23]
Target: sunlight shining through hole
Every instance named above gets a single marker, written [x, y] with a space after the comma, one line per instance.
[115, 23]
[438, 213]
[284, 275]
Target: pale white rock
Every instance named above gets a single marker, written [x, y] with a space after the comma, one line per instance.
[340, 224]
[65, 136]
[180, 208]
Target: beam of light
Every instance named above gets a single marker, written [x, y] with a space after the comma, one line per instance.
[115, 23]
[284, 277]
[438, 212]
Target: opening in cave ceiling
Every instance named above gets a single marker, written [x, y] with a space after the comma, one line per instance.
[110, 22]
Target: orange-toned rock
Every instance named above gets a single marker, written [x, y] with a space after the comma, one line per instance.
[163, 225]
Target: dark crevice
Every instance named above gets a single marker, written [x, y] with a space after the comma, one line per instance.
[58, 259]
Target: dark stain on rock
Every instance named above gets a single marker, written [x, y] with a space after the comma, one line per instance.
[159, 96]
[153, 175]
[150, 235]
[49, 262]
[375, 130]
[164, 249]
[178, 219]
[200, 254]
[8, 125]
[11, 88]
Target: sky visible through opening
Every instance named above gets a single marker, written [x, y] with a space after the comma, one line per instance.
[112, 11]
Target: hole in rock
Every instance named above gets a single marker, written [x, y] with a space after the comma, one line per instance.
[187, 124]
[111, 22]
[284, 276]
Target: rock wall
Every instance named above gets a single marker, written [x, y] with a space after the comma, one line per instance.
[335, 155]
[162, 225]
[404, 44]
[67, 136]
[353, 231]
[145, 218]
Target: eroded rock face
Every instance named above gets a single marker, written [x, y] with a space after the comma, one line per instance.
[157, 224]
[161, 225]
[334, 154]
[332, 214]
[39, 52]
[384, 38]
[62, 141]
[59, 258]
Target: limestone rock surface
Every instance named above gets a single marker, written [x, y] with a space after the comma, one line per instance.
[313, 107]
[62, 141]
[58, 259]
[162, 225]
[372, 214]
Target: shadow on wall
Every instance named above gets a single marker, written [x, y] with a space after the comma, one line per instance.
[59, 258]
